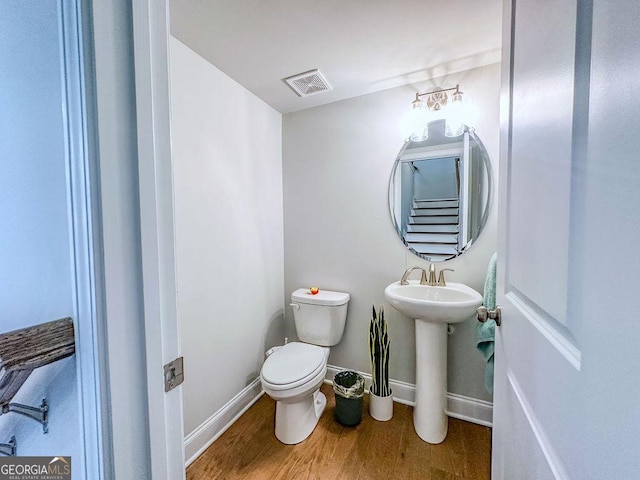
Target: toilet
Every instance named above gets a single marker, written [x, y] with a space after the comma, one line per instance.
[293, 373]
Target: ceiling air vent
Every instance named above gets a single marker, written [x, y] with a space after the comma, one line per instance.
[308, 83]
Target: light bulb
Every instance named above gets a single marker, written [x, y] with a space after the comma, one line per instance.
[454, 124]
[418, 121]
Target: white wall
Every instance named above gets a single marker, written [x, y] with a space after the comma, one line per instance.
[337, 160]
[229, 231]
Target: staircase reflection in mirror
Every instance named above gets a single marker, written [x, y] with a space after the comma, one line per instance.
[439, 193]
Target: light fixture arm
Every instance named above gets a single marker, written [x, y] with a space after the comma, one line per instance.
[455, 89]
[438, 99]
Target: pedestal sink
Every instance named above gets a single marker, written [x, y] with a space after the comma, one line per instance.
[432, 307]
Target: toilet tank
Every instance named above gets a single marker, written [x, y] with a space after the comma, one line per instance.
[319, 318]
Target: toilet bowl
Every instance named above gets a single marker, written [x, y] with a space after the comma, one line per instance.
[292, 374]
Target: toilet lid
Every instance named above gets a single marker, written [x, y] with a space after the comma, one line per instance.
[323, 297]
[293, 362]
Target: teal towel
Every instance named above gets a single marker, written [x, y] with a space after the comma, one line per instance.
[486, 332]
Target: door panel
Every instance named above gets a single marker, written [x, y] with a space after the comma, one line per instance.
[533, 465]
[538, 353]
[542, 98]
[566, 388]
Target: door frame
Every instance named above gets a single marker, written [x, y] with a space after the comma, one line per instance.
[151, 52]
[85, 226]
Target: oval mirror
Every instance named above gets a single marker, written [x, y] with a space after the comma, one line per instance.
[439, 193]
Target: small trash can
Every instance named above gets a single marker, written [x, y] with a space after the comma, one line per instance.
[348, 388]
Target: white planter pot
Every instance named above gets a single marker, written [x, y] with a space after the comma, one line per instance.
[380, 408]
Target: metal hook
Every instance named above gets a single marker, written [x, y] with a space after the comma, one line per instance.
[39, 414]
[9, 449]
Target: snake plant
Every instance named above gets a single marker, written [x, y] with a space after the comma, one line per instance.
[379, 351]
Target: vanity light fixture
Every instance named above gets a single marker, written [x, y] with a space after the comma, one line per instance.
[447, 103]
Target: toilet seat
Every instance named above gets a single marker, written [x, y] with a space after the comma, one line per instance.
[293, 365]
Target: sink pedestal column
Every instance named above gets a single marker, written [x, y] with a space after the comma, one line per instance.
[429, 415]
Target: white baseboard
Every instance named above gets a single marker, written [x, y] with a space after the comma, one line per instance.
[470, 409]
[458, 406]
[197, 441]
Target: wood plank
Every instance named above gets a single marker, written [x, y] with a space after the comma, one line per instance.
[414, 456]
[371, 450]
[383, 444]
[475, 439]
[229, 447]
[22, 351]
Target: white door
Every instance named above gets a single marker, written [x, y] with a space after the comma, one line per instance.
[567, 392]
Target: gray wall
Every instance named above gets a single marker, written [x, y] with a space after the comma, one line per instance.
[36, 278]
[338, 235]
[227, 166]
[435, 179]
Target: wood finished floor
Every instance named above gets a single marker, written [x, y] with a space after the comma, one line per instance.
[372, 450]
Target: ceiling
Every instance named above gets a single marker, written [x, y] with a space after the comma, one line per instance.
[361, 46]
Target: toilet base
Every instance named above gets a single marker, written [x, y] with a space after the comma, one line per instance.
[296, 421]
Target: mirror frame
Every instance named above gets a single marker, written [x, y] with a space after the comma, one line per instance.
[485, 213]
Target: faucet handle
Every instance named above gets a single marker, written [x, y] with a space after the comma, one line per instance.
[432, 275]
[441, 281]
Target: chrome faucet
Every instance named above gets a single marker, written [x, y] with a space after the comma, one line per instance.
[423, 278]
[432, 275]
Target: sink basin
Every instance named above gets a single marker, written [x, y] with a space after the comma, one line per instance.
[451, 304]
[432, 308]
